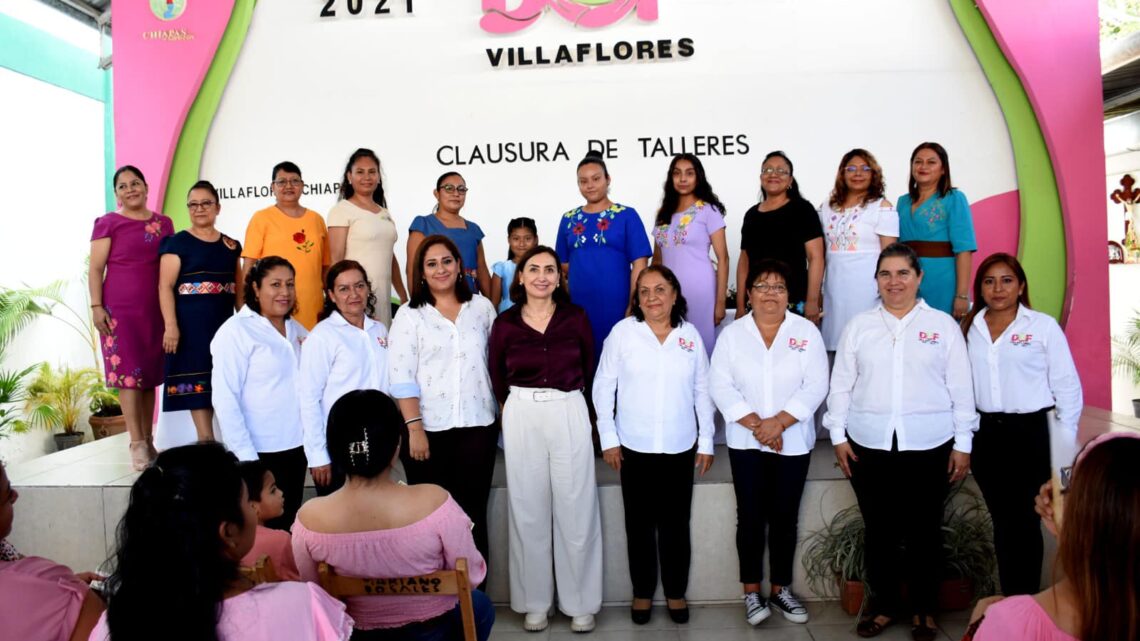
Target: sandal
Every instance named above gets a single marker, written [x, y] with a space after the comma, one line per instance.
[869, 627]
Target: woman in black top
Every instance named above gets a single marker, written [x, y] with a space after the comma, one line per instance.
[785, 227]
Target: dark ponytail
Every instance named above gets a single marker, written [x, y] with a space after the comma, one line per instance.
[171, 566]
[363, 433]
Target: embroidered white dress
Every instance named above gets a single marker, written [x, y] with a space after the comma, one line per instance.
[851, 240]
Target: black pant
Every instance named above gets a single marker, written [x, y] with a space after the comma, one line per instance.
[336, 481]
[657, 491]
[461, 461]
[901, 496]
[288, 469]
[1010, 462]
[768, 490]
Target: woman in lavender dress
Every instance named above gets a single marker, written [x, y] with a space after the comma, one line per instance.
[123, 283]
[691, 219]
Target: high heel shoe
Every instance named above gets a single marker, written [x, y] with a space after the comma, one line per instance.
[140, 455]
[678, 615]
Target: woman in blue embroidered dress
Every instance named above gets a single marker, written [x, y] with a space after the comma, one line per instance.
[935, 220]
[604, 247]
[197, 292]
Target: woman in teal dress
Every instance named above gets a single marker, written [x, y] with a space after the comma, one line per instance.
[604, 246]
[935, 219]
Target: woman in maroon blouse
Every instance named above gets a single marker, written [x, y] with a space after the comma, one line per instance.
[541, 362]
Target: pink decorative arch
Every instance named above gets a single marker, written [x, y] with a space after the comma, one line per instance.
[1053, 46]
[159, 67]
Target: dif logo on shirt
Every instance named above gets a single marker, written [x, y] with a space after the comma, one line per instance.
[797, 345]
[929, 338]
[593, 14]
[1021, 340]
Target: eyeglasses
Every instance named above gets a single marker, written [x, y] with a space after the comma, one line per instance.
[866, 169]
[764, 288]
[290, 182]
[205, 204]
[779, 171]
[452, 188]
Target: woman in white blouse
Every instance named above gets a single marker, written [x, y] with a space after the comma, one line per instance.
[901, 416]
[437, 370]
[1022, 371]
[768, 376]
[361, 229]
[656, 364]
[858, 222]
[346, 351]
[256, 355]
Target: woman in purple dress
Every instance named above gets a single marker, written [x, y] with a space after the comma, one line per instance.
[691, 219]
[123, 283]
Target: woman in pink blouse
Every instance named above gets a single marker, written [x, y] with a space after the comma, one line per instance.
[374, 527]
[188, 524]
[40, 600]
[1098, 552]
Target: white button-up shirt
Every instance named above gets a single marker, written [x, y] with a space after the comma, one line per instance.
[255, 384]
[338, 358]
[444, 364]
[908, 377]
[747, 376]
[1028, 368]
[663, 403]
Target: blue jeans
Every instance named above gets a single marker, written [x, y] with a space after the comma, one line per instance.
[447, 627]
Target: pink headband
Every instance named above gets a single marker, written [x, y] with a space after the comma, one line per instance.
[1108, 436]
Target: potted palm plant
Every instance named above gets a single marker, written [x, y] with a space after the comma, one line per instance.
[106, 413]
[833, 559]
[833, 556]
[1126, 357]
[56, 400]
[12, 397]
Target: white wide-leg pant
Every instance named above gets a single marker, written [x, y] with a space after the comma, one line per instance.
[550, 481]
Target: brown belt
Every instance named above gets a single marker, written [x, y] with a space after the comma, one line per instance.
[931, 249]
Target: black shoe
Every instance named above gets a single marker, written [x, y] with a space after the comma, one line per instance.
[641, 617]
[680, 615]
[922, 632]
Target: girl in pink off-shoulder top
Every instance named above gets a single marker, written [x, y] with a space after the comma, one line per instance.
[374, 527]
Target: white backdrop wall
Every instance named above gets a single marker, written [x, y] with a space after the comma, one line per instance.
[52, 171]
[811, 78]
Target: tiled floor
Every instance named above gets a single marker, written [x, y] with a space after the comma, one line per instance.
[713, 623]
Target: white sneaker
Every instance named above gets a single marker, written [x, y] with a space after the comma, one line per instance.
[789, 606]
[535, 622]
[755, 608]
[582, 623]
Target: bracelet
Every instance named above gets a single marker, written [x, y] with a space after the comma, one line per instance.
[96, 305]
[962, 296]
[413, 420]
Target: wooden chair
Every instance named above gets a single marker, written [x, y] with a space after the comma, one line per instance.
[441, 583]
[261, 572]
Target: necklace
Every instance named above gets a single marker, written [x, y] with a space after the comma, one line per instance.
[894, 336]
[535, 317]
